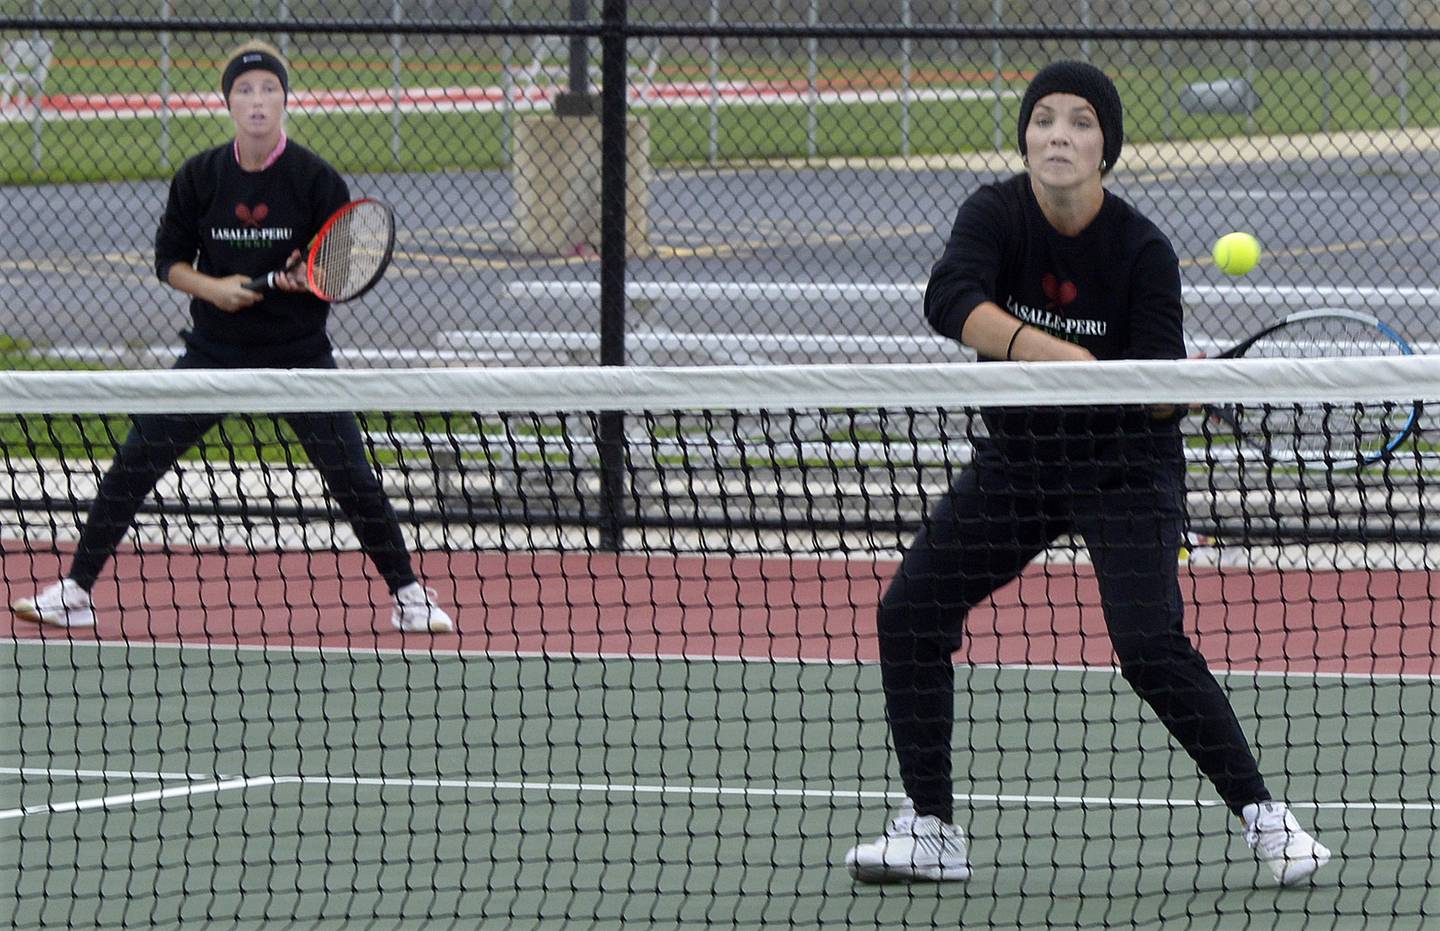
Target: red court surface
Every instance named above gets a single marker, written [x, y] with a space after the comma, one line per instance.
[772, 607]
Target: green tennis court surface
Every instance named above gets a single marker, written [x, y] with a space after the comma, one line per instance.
[174, 784]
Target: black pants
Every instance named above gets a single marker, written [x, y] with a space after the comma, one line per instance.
[994, 520]
[156, 443]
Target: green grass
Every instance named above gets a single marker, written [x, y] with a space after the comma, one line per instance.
[18, 355]
[131, 149]
[95, 437]
[1294, 102]
[138, 73]
[79, 68]
[245, 438]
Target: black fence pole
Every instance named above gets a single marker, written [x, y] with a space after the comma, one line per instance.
[613, 136]
[579, 52]
[576, 99]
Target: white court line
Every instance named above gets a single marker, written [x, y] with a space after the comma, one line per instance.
[1367, 197]
[727, 658]
[364, 652]
[820, 292]
[1312, 296]
[752, 348]
[129, 774]
[136, 798]
[829, 292]
[770, 348]
[701, 791]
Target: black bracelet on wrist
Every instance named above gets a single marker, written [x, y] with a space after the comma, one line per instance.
[1010, 349]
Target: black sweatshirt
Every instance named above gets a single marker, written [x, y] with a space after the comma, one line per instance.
[225, 221]
[1113, 289]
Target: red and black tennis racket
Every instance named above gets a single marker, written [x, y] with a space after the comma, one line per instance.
[347, 257]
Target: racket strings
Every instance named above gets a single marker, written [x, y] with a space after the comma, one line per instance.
[1325, 339]
[1322, 434]
[352, 253]
[1325, 434]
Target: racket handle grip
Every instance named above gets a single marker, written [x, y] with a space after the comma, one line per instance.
[265, 282]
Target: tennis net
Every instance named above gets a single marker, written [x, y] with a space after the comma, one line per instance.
[662, 704]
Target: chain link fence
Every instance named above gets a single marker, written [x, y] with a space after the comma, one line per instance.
[792, 167]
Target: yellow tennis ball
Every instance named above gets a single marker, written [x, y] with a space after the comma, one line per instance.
[1236, 253]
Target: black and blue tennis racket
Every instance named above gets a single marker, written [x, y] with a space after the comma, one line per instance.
[1339, 436]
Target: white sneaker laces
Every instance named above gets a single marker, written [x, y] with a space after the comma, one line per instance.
[1270, 833]
[416, 595]
[902, 825]
[926, 832]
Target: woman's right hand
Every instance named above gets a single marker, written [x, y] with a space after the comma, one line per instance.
[230, 294]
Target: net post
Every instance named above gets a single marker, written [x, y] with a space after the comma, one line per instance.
[613, 138]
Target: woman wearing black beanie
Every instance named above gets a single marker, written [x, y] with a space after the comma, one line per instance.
[1048, 266]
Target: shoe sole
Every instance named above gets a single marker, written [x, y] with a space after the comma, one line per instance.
[27, 612]
[879, 874]
[428, 629]
[1302, 871]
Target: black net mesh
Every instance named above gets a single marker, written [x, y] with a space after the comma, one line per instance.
[664, 697]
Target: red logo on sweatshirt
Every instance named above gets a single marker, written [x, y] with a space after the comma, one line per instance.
[1058, 292]
[252, 216]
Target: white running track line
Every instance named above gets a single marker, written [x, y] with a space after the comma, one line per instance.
[436, 100]
[641, 790]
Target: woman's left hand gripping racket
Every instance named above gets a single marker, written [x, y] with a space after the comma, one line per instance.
[1339, 436]
[347, 257]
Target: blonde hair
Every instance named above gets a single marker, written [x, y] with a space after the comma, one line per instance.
[254, 45]
[254, 54]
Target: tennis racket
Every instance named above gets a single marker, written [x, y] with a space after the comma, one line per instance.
[347, 257]
[1341, 436]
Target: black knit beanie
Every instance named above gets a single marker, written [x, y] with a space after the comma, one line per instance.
[1082, 80]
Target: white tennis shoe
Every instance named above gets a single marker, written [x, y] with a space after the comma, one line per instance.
[416, 611]
[913, 847]
[1281, 844]
[64, 604]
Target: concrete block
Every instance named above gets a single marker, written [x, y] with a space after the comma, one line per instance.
[556, 176]
[1231, 95]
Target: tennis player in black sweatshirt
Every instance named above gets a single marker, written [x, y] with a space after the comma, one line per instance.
[1044, 266]
[235, 212]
